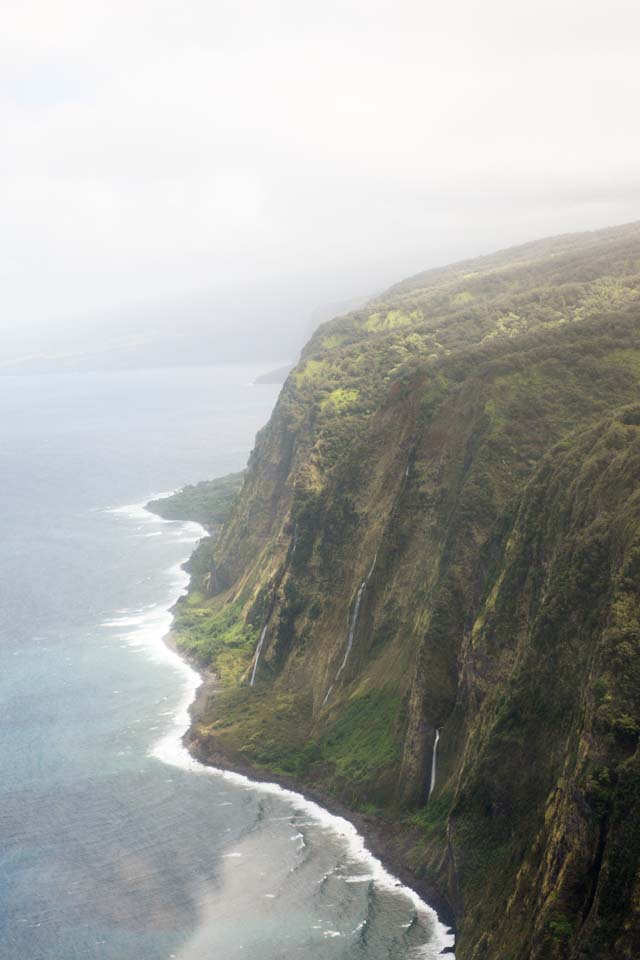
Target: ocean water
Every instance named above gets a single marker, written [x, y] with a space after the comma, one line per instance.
[114, 843]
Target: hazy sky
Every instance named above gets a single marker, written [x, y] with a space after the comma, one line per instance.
[237, 163]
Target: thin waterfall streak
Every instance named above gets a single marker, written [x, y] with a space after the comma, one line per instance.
[353, 623]
[433, 763]
[292, 550]
[258, 652]
[352, 629]
[328, 694]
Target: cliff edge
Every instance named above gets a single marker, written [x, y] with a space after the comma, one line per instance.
[424, 601]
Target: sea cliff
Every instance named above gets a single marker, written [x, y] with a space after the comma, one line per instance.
[436, 543]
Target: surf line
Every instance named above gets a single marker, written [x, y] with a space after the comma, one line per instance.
[171, 750]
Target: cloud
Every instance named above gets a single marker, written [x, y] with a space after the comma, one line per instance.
[287, 153]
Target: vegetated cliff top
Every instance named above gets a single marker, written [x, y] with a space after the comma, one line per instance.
[535, 287]
[444, 323]
[471, 439]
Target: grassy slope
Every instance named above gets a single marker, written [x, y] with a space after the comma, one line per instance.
[466, 430]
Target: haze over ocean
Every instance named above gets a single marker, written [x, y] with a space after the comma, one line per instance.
[109, 853]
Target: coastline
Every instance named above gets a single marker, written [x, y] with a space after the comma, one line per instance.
[370, 837]
[387, 849]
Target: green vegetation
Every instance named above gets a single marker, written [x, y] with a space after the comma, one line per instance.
[268, 730]
[341, 399]
[476, 430]
[391, 320]
[433, 816]
[361, 745]
[208, 502]
[214, 636]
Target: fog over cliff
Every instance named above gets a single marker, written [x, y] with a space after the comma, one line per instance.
[195, 179]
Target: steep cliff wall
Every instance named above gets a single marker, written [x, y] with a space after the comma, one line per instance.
[437, 540]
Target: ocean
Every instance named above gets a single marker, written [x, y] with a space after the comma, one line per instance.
[114, 843]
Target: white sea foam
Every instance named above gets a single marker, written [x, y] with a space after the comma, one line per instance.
[138, 511]
[150, 633]
[132, 621]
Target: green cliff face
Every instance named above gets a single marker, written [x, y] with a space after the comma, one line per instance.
[439, 530]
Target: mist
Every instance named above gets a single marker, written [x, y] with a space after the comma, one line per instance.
[208, 180]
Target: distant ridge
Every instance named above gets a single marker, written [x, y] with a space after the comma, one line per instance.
[279, 375]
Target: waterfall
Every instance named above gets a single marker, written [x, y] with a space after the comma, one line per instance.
[328, 694]
[258, 652]
[433, 763]
[353, 623]
[290, 553]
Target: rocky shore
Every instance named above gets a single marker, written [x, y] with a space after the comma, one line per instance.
[387, 841]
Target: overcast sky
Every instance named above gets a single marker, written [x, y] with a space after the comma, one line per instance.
[170, 163]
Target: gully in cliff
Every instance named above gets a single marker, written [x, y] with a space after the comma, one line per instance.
[263, 633]
[353, 623]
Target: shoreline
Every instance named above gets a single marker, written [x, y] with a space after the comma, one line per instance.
[380, 840]
[371, 828]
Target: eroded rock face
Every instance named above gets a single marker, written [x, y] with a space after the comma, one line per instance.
[476, 431]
